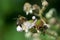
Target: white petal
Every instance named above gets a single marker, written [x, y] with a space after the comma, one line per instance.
[19, 28]
[33, 24]
[44, 3]
[48, 15]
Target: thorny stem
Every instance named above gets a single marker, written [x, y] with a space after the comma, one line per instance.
[41, 12]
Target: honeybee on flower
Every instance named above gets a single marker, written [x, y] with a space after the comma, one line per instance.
[25, 25]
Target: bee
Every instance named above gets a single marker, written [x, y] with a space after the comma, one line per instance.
[20, 21]
[25, 24]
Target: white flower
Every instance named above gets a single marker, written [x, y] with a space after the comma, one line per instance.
[19, 28]
[35, 6]
[45, 3]
[26, 26]
[27, 8]
[30, 11]
[50, 13]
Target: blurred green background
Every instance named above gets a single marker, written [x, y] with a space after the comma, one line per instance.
[10, 9]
